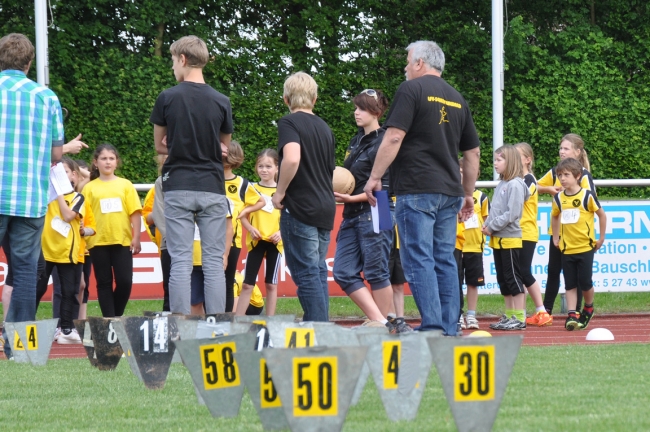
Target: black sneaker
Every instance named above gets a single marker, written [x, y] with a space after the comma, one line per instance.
[398, 325]
[585, 317]
[572, 323]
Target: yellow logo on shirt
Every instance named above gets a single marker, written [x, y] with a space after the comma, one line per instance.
[443, 116]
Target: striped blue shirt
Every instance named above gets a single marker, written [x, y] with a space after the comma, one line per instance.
[31, 122]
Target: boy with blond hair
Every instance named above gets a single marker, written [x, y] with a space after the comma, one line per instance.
[195, 118]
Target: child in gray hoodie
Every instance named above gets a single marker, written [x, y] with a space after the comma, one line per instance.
[502, 225]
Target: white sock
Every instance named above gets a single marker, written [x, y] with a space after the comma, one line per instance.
[470, 312]
[540, 309]
[383, 321]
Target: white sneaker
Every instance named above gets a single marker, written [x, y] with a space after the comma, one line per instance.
[461, 322]
[57, 333]
[472, 322]
[70, 338]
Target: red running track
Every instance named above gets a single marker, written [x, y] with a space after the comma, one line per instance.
[627, 328]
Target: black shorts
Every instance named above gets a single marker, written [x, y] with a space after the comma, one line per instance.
[254, 310]
[254, 262]
[525, 262]
[506, 264]
[395, 266]
[577, 270]
[472, 267]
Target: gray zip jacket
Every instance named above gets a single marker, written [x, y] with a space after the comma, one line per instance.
[507, 207]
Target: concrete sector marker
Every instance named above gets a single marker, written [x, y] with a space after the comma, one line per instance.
[315, 384]
[150, 344]
[400, 366]
[258, 381]
[215, 371]
[100, 334]
[35, 339]
[474, 374]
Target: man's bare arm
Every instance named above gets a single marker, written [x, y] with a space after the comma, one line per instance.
[386, 154]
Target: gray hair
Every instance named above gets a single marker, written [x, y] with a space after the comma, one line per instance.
[429, 52]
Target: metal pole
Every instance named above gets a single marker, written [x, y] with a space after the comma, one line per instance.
[40, 13]
[497, 75]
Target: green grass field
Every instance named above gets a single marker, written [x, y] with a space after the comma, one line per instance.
[595, 388]
[343, 307]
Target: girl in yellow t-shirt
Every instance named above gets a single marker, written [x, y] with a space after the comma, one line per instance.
[116, 206]
[60, 243]
[529, 238]
[263, 237]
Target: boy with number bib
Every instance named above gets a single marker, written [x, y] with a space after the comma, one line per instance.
[573, 233]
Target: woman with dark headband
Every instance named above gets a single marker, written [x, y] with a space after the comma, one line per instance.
[358, 247]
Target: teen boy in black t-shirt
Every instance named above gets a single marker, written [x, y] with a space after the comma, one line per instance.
[196, 119]
[305, 195]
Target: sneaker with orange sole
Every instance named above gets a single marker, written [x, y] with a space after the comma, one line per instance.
[540, 319]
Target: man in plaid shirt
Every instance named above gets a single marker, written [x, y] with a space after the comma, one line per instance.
[31, 138]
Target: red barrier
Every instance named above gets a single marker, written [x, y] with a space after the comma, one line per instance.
[147, 272]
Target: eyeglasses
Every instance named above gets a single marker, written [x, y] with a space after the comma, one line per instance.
[370, 92]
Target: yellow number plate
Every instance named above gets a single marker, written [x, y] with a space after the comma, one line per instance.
[32, 339]
[269, 397]
[315, 386]
[218, 366]
[299, 338]
[473, 373]
[391, 355]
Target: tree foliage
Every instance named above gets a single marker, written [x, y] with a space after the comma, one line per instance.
[571, 66]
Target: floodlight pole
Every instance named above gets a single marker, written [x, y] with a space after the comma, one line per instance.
[40, 14]
[497, 75]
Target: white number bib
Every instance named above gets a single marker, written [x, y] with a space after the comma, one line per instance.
[268, 207]
[472, 222]
[570, 216]
[111, 205]
[197, 234]
[60, 226]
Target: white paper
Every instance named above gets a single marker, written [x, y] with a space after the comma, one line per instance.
[374, 213]
[472, 222]
[60, 226]
[570, 216]
[110, 205]
[59, 182]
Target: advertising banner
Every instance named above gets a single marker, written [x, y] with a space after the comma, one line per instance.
[622, 264]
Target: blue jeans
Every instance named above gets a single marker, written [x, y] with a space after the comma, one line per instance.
[208, 210]
[360, 249]
[25, 240]
[305, 249]
[427, 231]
